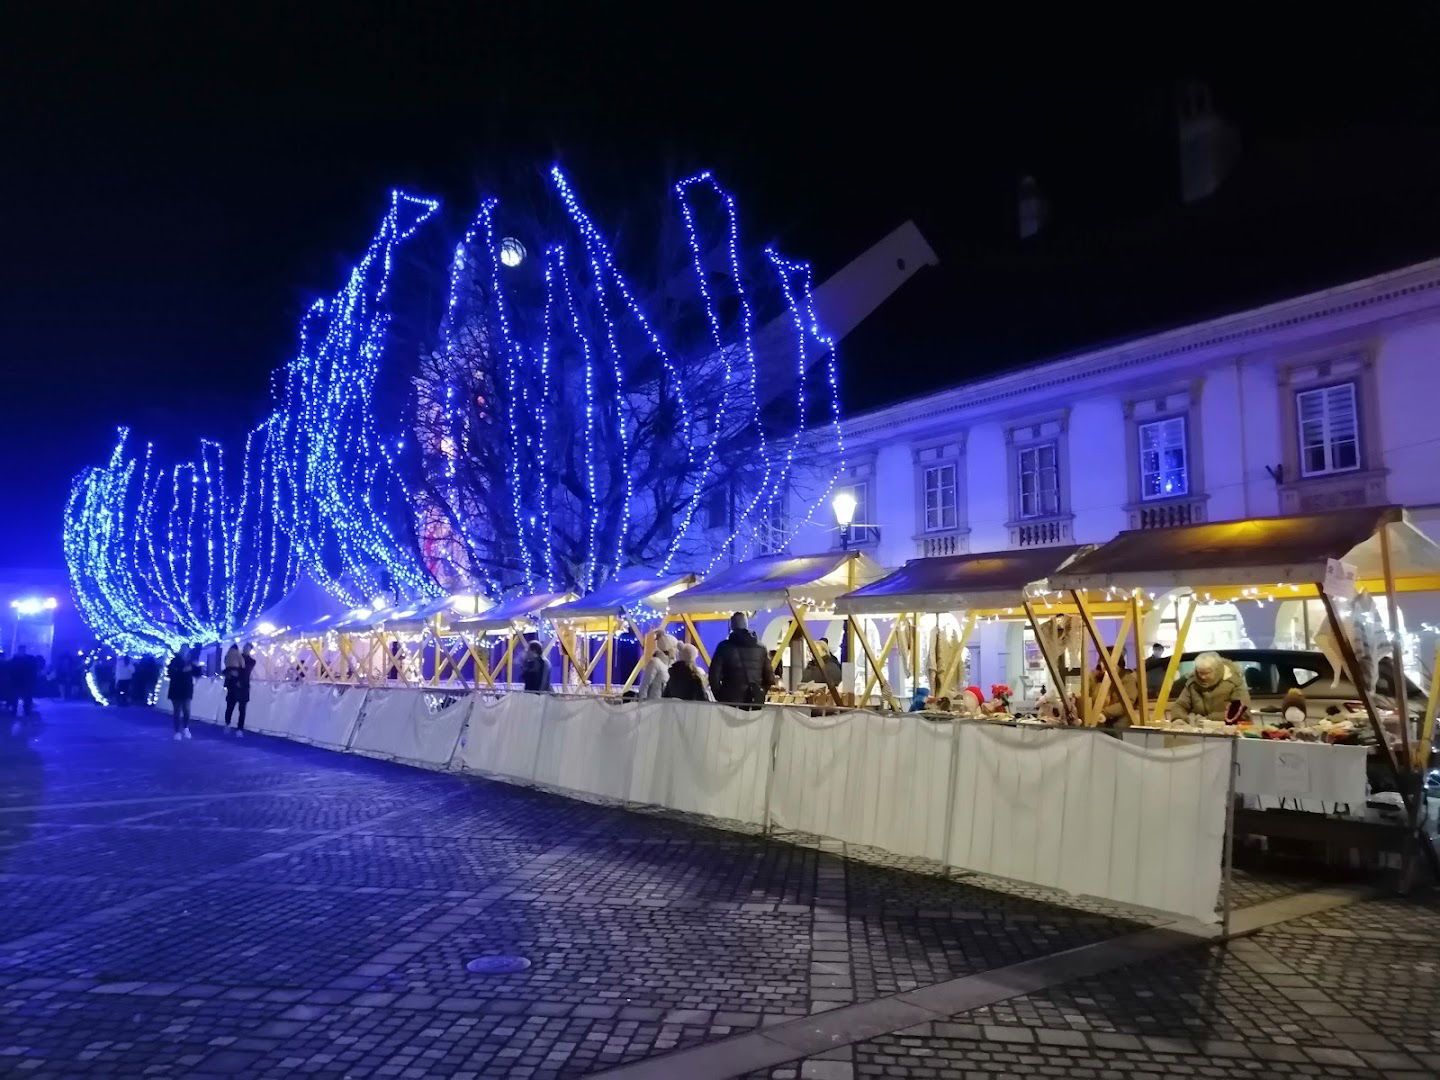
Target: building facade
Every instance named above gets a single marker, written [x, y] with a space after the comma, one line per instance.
[1323, 401]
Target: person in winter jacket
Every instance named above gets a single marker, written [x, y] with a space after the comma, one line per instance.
[238, 668]
[657, 668]
[1210, 689]
[685, 682]
[740, 671]
[182, 672]
[822, 668]
[535, 669]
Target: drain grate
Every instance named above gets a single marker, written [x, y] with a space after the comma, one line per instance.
[497, 965]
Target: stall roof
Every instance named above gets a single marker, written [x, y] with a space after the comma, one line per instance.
[765, 584]
[304, 605]
[992, 579]
[516, 609]
[623, 592]
[1258, 552]
[457, 605]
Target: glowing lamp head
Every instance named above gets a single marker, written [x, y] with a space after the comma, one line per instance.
[844, 506]
[512, 252]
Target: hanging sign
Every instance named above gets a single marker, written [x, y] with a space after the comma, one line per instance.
[1340, 578]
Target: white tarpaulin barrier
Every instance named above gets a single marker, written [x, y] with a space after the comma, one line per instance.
[865, 778]
[328, 715]
[1287, 769]
[588, 745]
[503, 736]
[703, 759]
[1093, 815]
[208, 703]
[279, 711]
[411, 725]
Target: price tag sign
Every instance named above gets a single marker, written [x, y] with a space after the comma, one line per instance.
[1340, 579]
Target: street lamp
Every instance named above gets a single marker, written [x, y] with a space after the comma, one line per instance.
[844, 506]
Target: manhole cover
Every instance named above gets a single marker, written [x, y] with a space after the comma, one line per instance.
[497, 965]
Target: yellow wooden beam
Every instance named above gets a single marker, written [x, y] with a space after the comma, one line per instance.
[814, 651]
[1111, 671]
[1057, 675]
[875, 669]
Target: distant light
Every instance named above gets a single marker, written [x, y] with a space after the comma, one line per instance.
[378, 603]
[34, 605]
[265, 628]
[512, 252]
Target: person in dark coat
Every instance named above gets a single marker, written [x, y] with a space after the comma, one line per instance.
[535, 669]
[181, 672]
[24, 674]
[823, 668]
[238, 667]
[740, 671]
[685, 682]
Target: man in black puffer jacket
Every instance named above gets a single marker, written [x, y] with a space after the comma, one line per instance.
[740, 671]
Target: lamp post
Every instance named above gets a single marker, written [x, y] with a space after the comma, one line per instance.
[844, 506]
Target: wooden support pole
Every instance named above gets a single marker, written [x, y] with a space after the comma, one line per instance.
[1172, 667]
[1110, 669]
[609, 653]
[1398, 683]
[1142, 692]
[1086, 709]
[877, 672]
[689, 624]
[914, 651]
[1057, 680]
[1122, 635]
[874, 667]
[952, 669]
[814, 650]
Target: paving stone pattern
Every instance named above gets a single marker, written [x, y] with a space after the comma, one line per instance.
[261, 908]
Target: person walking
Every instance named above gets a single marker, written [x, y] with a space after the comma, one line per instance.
[25, 673]
[740, 671]
[535, 670]
[684, 680]
[657, 668]
[181, 672]
[238, 668]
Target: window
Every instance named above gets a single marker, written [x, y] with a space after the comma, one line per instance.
[717, 507]
[1039, 480]
[940, 498]
[1163, 473]
[1329, 430]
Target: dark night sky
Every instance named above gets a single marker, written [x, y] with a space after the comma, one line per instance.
[178, 182]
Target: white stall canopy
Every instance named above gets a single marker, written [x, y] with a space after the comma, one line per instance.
[625, 592]
[519, 611]
[776, 580]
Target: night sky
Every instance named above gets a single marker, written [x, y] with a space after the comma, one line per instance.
[177, 183]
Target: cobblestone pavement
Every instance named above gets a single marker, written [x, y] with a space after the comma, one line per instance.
[266, 909]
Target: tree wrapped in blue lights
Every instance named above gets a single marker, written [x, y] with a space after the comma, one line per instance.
[564, 425]
[164, 556]
[572, 425]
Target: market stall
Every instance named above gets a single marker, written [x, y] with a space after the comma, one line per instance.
[805, 586]
[504, 625]
[406, 643]
[965, 588]
[1343, 557]
[625, 603]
